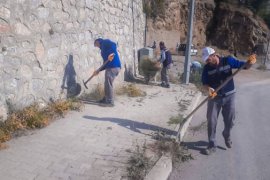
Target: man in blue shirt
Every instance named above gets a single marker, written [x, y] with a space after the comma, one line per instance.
[112, 68]
[215, 72]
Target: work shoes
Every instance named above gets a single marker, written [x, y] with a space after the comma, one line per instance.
[105, 103]
[103, 100]
[209, 150]
[165, 85]
[162, 84]
[228, 141]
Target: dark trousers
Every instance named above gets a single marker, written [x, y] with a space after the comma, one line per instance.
[165, 74]
[227, 104]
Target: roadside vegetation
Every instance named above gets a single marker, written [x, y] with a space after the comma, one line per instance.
[149, 68]
[138, 164]
[34, 117]
[130, 90]
[141, 160]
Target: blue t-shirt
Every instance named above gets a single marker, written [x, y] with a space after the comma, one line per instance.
[107, 47]
[214, 76]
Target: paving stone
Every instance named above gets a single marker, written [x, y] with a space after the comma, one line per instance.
[94, 144]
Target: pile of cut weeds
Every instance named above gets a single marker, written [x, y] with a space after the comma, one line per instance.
[139, 164]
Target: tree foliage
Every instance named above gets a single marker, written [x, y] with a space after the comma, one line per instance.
[260, 7]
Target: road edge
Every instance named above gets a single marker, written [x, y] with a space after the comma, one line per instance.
[163, 168]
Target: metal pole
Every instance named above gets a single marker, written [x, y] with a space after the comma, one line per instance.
[189, 42]
[267, 48]
[133, 39]
[145, 26]
[180, 9]
[145, 30]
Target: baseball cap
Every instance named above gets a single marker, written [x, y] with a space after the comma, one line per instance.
[206, 52]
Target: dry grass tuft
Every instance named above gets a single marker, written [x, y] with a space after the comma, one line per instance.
[131, 90]
[3, 146]
[180, 153]
[97, 93]
[60, 107]
[33, 117]
[138, 164]
[166, 144]
[4, 135]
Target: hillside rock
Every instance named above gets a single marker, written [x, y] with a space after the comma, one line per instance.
[226, 26]
[173, 26]
[237, 29]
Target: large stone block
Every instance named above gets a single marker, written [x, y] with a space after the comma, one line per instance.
[37, 85]
[4, 13]
[43, 13]
[4, 27]
[21, 29]
[39, 50]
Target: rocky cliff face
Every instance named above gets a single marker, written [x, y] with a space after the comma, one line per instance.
[173, 26]
[223, 25]
[236, 28]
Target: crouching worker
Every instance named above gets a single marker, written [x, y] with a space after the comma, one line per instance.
[166, 60]
[195, 66]
[112, 68]
[217, 70]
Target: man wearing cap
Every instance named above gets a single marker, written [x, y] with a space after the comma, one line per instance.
[166, 60]
[215, 72]
[112, 68]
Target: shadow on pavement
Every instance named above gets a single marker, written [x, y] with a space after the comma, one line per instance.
[87, 101]
[199, 146]
[132, 125]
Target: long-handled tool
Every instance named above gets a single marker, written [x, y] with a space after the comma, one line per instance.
[102, 66]
[208, 97]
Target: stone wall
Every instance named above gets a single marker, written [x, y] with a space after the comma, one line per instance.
[45, 43]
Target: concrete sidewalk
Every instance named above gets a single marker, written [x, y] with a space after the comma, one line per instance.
[95, 144]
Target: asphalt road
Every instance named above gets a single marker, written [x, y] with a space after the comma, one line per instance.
[249, 158]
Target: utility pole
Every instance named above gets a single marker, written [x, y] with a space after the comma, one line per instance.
[267, 49]
[189, 42]
[145, 30]
[145, 26]
[133, 38]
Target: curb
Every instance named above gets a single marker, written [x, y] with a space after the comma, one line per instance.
[186, 124]
[163, 168]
